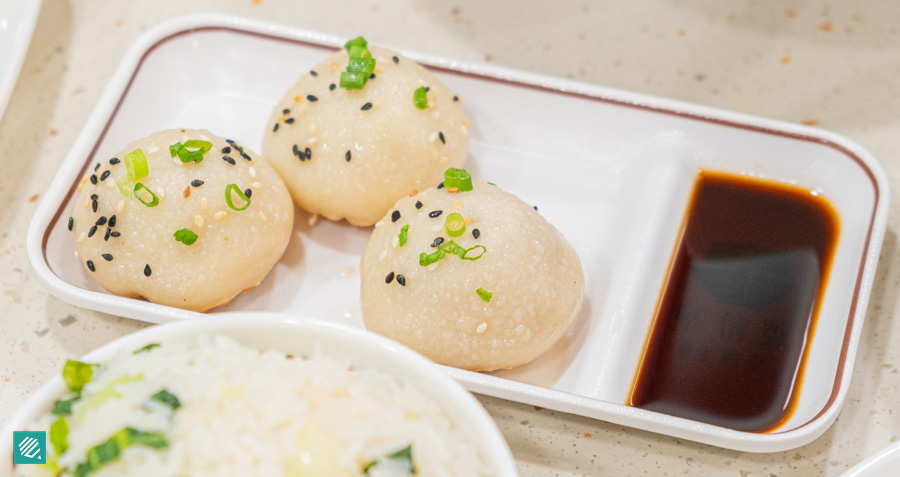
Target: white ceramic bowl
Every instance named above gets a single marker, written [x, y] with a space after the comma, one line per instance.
[297, 335]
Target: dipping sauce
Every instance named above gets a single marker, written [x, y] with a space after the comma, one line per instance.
[739, 306]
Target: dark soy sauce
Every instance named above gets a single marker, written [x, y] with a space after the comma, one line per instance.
[739, 306]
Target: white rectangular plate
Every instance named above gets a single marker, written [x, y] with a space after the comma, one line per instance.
[612, 170]
[17, 21]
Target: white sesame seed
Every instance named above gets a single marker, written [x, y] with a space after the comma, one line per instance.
[433, 137]
[312, 220]
[221, 215]
[433, 265]
[312, 140]
[198, 221]
[152, 150]
[204, 137]
[456, 203]
[481, 328]
[379, 224]
[161, 192]
[257, 185]
[347, 271]
[437, 228]
[176, 161]
[396, 242]
[381, 255]
[262, 215]
[252, 171]
[87, 203]
[76, 254]
[82, 236]
[121, 206]
[204, 203]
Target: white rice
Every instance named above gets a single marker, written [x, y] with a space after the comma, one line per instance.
[247, 413]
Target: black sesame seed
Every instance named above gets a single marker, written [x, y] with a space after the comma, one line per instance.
[71, 223]
[332, 86]
[226, 150]
[366, 107]
[285, 111]
[441, 185]
[441, 136]
[228, 160]
[401, 280]
[427, 89]
[97, 167]
[437, 242]
[92, 231]
[114, 234]
[246, 156]
[108, 257]
[230, 141]
[114, 161]
[104, 175]
[396, 60]
[197, 183]
[289, 121]
[112, 221]
[311, 98]
[313, 72]
[308, 153]
[248, 193]
[296, 150]
[372, 76]
[94, 205]
[348, 155]
[147, 270]
[395, 216]
[94, 179]
[94, 196]
[101, 221]
[108, 233]
[90, 265]
[389, 278]
[455, 99]
[435, 213]
[418, 204]
[476, 233]
[535, 207]
[275, 128]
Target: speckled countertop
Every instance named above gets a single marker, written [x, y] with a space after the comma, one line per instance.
[832, 64]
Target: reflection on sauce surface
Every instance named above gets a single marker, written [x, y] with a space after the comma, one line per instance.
[728, 343]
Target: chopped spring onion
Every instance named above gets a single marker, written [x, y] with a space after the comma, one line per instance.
[360, 66]
[185, 236]
[403, 234]
[146, 348]
[102, 454]
[458, 178]
[420, 98]
[96, 399]
[76, 374]
[454, 248]
[168, 398]
[237, 190]
[196, 144]
[63, 405]
[126, 186]
[455, 225]
[398, 463]
[59, 435]
[139, 195]
[466, 256]
[484, 294]
[426, 259]
[195, 154]
[136, 164]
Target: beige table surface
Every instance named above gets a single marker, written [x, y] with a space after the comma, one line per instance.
[835, 64]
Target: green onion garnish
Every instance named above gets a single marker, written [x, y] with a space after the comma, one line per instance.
[455, 225]
[426, 259]
[466, 255]
[185, 236]
[166, 397]
[59, 435]
[102, 454]
[402, 458]
[76, 374]
[136, 164]
[146, 348]
[63, 405]
[420, 98]
[237, 190]
[403, 234]
[484, 294]
[126, 186]
[202, 146]
[187, 155]
[140, 195]
[360, 66]
[458, 178]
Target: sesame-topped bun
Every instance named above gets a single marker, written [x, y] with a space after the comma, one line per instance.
[352, 153]
[190, 231]
[475, 279]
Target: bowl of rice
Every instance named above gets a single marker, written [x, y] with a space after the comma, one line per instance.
[256, 394]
